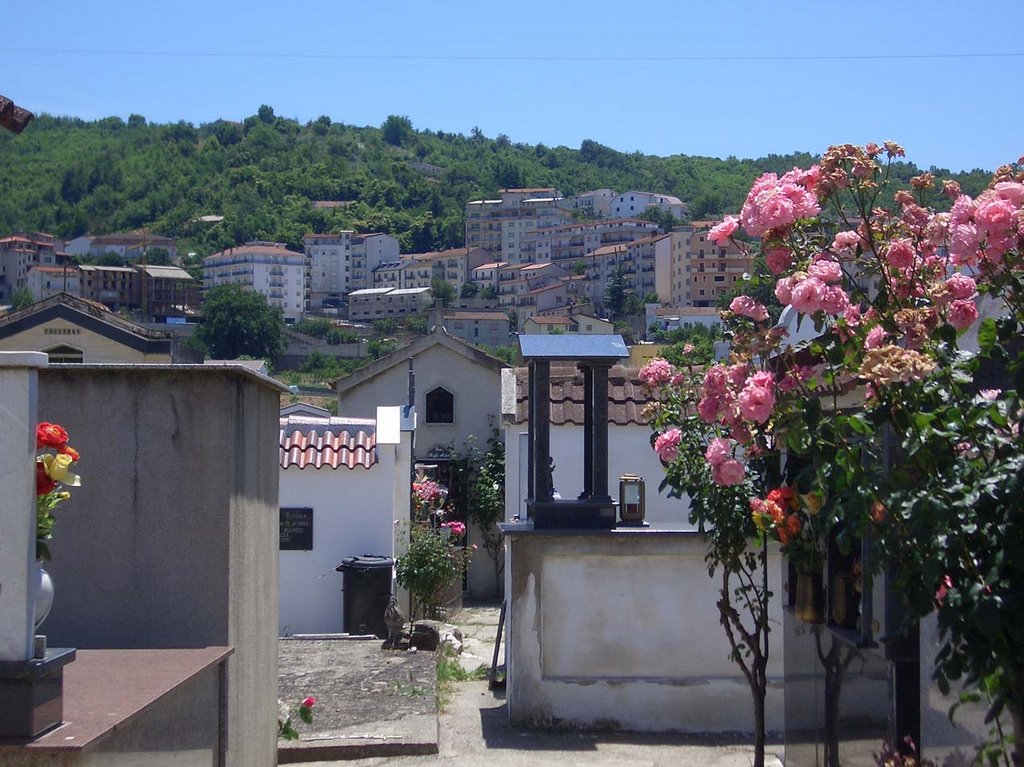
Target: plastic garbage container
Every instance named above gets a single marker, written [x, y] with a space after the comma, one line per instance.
[366, 589]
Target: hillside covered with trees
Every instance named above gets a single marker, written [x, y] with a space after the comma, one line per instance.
[71, 177]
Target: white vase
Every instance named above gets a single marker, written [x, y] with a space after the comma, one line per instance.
[44, 594]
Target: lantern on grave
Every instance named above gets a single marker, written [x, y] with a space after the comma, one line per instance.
[632, 500]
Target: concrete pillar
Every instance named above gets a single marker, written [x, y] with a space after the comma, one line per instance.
[18, 405]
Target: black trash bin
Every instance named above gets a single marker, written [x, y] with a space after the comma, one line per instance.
[366, 586]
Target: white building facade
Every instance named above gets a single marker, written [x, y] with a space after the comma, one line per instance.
[268, 268]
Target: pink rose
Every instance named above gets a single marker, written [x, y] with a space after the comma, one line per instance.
[807, 295]
[721, 233]
[778, 260]
[845, 241]
[666, 445]
[900, 254]
[826, 270]
[1010, 191]
[656, 372]
[748, 307]
[756, 403]
[784, 289]
[728, 472]
[719, 449]
[834, 300]
[961, 286]
[962, 313]
[874, 338]
[308, 702]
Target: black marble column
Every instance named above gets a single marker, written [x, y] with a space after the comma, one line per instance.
[540, 431]
[588, 431]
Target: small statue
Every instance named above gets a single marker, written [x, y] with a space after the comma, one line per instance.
[394, 620]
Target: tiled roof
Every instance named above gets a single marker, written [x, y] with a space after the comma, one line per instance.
[327, 442]
[626, 396]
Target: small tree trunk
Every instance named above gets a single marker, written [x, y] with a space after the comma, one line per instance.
[759, 725]
[1017, 714]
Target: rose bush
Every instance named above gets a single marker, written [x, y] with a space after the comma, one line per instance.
[881, 413]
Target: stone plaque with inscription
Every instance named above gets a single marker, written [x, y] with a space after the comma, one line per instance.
[296, 529]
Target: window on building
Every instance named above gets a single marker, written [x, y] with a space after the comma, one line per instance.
[65, 353]
[440, 406]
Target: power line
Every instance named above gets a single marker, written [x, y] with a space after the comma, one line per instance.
[510, 58]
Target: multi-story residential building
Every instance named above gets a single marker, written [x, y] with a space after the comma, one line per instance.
[633, 203]
[488, 328]
[165, 291]
[131, 245]
[645, 265]
[704, 270]
[112, 286]
[412, 271]
[486, 275]
[378, 303]
[575, 322]
[567, 244]
[45, 281]
[593, 204]
[268, 268]
[21, 251]
[498, 226]
[344, 261]
[455, 265]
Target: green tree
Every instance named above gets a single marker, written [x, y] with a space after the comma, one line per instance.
[21, 298]
[469, 290]
[237, 322]
[397, 130]
[615, 293]
[442, 289]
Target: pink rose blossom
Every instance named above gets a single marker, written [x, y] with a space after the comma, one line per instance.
[826, 270]
[900, 254]
[784, 288]
[778, 259]
[875, 337]
[748, 307]
[728, 472]
[774, 203]
[666, 445]
[756, 402]
[961, 286]
[834, 300]
[721, 233]
[656, 372]
[719, 449]
[962, 313]
[845, 242]
[1010, 191]
[807, 295]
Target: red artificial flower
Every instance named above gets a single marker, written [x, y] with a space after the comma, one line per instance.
[44, 484]
[51, 435]
[309, 702]
[784, 497]
[68, 450]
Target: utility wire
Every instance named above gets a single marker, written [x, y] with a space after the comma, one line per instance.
[508, 58]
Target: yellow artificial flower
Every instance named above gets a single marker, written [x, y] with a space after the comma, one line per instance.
[57, 468]
[813, 503]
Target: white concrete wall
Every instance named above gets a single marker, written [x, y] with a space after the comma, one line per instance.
[353, 514]
[621, 629]
[629, 452]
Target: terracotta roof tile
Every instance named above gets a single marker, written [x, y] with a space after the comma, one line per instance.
[327, 442]
[626, 396]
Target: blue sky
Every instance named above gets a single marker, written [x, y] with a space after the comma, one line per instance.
[717, 77]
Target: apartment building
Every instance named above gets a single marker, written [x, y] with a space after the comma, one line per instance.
[21, 251]
[633, 203]
[46, 281]
[486, 275]
[411, 271]
[112, 286]
[487, 328]
[498, 226]
[344, 261]
[703, 271]
[645, 264]
[268, 268]
[567, 244]
[596, 203]
[127, 245]
[455, 265]
[378, 303]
